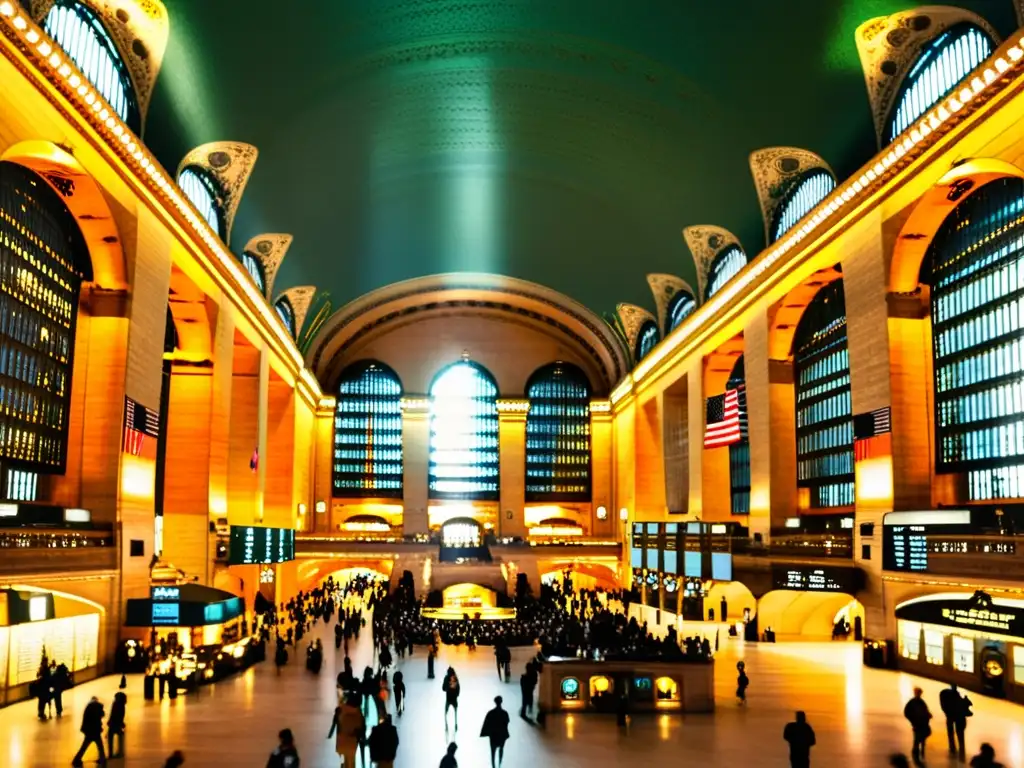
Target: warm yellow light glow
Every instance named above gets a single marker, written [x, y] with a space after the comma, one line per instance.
[555, 530]
[510, 405]
[137, 477]
[600, 406]
[874, 481]
[599, 684]
[366, 527]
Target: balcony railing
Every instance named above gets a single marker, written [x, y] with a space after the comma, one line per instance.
[814, 545]
[40, 550]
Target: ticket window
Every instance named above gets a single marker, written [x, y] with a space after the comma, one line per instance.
[910, 640]
[963, 654]
[933, 646]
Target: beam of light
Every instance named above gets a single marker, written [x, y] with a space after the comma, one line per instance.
[190, 90]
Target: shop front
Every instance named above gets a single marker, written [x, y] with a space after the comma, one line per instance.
[975, 641]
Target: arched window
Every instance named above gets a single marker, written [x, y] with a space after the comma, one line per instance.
[77, 30]
[680, 308]
[725, 266]
[255, 269]
[977, 276]
[204, 193]
[368, 432]
[558, 435]
[43, 261]
[803, 196]
[284, 310]
[464, 433]
[739, 453]
[646, 340]
[824, 419]
[940, 66]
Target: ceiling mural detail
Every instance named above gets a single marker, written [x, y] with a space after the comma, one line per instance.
[231, 163]
[706, 241]
[301, 298]
[140, 30]
[270, 250]
[774, 170]
[632, 319]
[665, 287]
[888, 46]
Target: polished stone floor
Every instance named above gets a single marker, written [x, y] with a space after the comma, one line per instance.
[856, 712]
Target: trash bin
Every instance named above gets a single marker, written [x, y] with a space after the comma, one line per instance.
[876, 653]
[149, 687]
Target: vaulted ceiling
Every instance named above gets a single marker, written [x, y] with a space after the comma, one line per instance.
[565, 142]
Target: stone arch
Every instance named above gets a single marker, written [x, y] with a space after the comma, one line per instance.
[784, 317]
[84, 197]
[932, 209]
[312, 572]
[802, 615]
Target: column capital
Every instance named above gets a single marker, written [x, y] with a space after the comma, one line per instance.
[412, 404]
[512, 408]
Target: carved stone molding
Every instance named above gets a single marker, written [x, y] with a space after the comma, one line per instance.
[300, 298]
[665, 287]
[270, 249]
[140, 30]
[633, 318]
[231, 163]
[774, 169]
[706, 241]
[889, 46]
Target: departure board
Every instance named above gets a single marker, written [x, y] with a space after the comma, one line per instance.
[251, 545]
[905, 548]
[807, 578]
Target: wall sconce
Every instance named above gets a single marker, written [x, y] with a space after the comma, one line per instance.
[302, 510]
[623, 514]
[321, 507]
[602, 513]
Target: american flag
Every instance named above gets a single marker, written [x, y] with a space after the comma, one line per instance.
[139, 423]
[871, 434]
[726, 418]
[254, 460]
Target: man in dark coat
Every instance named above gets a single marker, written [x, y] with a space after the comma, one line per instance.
[916, 712]
[955, 707]
[384, 743]
[286, 755]
[526, 685]
[800, 737]
[92, 730]
[495, 728]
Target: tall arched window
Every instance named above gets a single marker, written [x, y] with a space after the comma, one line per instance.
[977, 278]
[255, 269]
[940, 66]
[680, 308]
[368, 432]
[739, 453]
[43, 261]
[725, 266]
[824, 418]
[646, 340]
[558, 435]
[284, 310]
[77, 30]
[204, 193]
[803, 196]
[464, 433]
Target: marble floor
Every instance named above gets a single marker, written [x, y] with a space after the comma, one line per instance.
[856, 712]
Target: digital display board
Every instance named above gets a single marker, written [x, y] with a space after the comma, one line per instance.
[905, 536]
[721, 566]
[252, 544]
[809, 578]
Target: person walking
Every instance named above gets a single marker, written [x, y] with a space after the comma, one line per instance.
[916, 712]
[176, 760]
[61, 682]
[350, 726]
[398, 685]
[286, 755]
[495, 729]
[986, 758]
[384, 743]
[448, 761]
[115, 724]
[451, 689]
[526, 684]
[800, 737]
[742, 681]
[92, 730]
[431, 656]
[956, 708]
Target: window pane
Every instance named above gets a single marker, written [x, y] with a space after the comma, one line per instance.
[680, 308]
[724, 268]
[739, 453]
[933, 650]
[963, 654]
[368, 433]
[646, 340]
[201, 191]
[804, 196]
[910, 640]
[558, 435]
[255, 270]
[284, 311]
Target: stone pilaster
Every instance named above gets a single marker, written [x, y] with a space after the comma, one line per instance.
[512, 464]
[601, 468]
[415, 462]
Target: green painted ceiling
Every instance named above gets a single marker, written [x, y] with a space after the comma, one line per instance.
[566, 142]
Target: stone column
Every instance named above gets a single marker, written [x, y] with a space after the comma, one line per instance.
[695, 413]
[324, 466]
[601, 468]
[512, 463]
[758, 385]
[415, 462]
[262, 412]
[650, 461]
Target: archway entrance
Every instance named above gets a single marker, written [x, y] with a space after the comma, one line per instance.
[796, 615]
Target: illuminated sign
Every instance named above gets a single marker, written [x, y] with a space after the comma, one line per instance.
[808, 578]
[979, 612]
[254, 545]
[37, 608]
[905, 536]
[165, 594]
[166, 613]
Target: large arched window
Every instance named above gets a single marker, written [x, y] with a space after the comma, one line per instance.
[739, 453]
[940, 66]
[255, 269]
[725, 266]
[680, 308]
[464, 433]
[76, 29]
[558, 435]
[368, 432]
[204, 193]
[646, 340]
[977, 279]
[43, 261]
[284, 310]
[824, 419]
[803, 196]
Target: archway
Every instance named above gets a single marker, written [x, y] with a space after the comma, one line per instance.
[796, 615]
[313, 572]
[740, 603]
